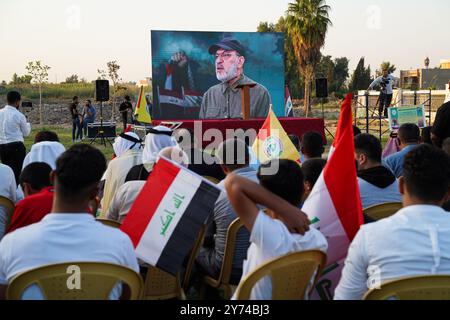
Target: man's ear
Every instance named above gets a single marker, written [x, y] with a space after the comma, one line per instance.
[93, 193]
[224, 169]
[52, 177]
[308, 186]
[26, 188]
[401, 185]
[241, 61]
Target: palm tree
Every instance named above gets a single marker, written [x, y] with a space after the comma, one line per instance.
[307, 23]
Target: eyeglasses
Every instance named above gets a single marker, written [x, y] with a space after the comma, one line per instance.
[225, 55]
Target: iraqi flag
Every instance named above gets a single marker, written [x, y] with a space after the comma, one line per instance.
[334, 205]
[167, 215]
[288, 106]
[272, 142]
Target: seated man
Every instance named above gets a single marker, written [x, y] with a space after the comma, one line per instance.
[409, 138]
[279, 231]
[7, 190]
[415, 241]
[311, 169]
[376, 183]
[234, 157]
[68, 233]
[200, 162]
[38, 191]
[312, 145]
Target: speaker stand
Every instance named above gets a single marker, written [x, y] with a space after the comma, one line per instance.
[323, 118]
[100, 134]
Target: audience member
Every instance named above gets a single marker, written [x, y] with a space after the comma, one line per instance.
[311, 169]
[233, 157]
[279, 231]
[312, 145]
[426, 135]
[376, 183]
[356, 130]
[157, 139]
[68, 233]
[127, 148]
[46, 148]
[415, 240]
[38, 191]
[409, 138]
[7, 190]
[441, 126]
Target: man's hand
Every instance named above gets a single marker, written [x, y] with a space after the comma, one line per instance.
[297, 221]
[179, 58]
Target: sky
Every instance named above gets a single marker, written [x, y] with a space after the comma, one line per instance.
[80, 36]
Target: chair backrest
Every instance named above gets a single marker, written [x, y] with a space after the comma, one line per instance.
[227, 261]
[383, 210]
[97, 281]
[9, 207]
[108, 222]
[194, 252]
[431, 287]
[160, 285]
[291, 275]
[212, 179]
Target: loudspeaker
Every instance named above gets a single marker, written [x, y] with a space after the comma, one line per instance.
[321, 88]
[102, 90]
[109, 129]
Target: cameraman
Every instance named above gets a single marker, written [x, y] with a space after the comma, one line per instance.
[386, 82]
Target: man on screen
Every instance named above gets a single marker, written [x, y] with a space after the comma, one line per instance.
[224, 99]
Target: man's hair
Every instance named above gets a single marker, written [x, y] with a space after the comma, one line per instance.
[88, 100]
[295, 140]
[446, 146]
[45, 135]
[426, 172]
[127, 98]
[409, 133]
[287, 183]
[368, 145]
[312, 144]
[356, 130]
[78, 170]
[233, 154]
[426, 135]
[74, 98]
[37, 174]
[312, 169]
[13, 97]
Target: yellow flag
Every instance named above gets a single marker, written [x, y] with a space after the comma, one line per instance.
[273, 142]
[141, 112]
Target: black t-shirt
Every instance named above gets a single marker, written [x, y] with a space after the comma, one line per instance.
[124, 106]
[441, 126]
[73, 110]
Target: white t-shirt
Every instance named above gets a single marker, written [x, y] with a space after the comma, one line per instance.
[62, 238]
[7, 190]
[270, 239]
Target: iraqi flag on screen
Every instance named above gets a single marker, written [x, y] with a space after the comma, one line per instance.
[334, 205]
[167, 215]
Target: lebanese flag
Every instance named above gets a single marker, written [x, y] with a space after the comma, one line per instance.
[272, 142]
[334, 205]
[167, 215]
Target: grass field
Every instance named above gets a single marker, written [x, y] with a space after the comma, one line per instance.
[65, 137]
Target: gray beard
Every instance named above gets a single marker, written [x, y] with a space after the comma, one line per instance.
[230, 74]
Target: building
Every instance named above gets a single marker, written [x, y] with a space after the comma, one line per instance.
[426, 78]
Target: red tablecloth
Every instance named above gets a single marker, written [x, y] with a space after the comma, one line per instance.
[296, 126]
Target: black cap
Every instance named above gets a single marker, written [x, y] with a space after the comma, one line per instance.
[229, 44]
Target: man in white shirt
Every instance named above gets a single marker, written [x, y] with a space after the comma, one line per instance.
[13, 128]
[283, 229]
[386, 83]
[414, 241]
[68, 233]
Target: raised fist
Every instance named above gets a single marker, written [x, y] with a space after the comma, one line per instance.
[180, 58]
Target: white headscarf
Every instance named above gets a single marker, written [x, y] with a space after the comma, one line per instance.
[122, 145]
[154, 143]
[45, 151]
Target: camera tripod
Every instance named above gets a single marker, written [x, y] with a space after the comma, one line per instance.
[101, 133]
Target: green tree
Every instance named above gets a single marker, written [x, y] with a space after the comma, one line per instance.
[307, 23]
[72, 79]
[25, 79]
[361, 78]
[39, 73]
[340, 74]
